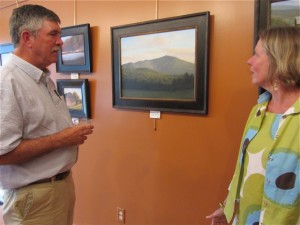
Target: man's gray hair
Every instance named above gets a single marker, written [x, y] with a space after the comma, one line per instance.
[29, 17]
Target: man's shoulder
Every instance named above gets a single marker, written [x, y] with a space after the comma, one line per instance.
[9, 71]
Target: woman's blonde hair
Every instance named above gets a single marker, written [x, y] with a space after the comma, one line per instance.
[282, 45]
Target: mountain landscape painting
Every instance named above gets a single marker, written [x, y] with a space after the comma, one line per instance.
[162, 64]
[159, 66]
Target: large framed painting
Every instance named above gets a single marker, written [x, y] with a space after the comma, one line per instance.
[75, 53]
[162, 64]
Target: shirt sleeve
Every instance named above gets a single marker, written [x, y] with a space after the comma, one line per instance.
[10, 114]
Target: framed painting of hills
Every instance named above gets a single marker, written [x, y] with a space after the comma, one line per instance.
[162, 64]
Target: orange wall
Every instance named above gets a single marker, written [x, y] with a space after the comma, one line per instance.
[177, 174]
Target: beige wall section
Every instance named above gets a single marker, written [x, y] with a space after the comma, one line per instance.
[177, 174]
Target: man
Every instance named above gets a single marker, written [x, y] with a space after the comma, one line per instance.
[38, 143]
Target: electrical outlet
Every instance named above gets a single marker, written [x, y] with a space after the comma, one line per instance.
[121, 215]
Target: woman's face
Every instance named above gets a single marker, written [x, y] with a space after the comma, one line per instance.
[259, 66]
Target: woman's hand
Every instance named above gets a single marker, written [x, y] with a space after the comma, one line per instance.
[218, 217]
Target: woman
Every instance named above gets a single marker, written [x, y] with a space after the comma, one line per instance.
[265, 186]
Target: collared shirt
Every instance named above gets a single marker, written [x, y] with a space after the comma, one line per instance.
[281, 189]
[31, 108]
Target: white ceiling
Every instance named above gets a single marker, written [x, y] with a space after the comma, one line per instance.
[9, 3]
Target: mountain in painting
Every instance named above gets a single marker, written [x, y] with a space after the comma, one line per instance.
[168, 65]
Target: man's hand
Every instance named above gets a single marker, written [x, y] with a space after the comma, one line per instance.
[76, 135]
[29, 149]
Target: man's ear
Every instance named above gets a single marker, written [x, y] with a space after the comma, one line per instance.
[26, 37]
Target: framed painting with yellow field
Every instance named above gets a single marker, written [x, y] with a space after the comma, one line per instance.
[77, 96]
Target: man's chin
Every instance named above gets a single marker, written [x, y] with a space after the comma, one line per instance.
[54, 58]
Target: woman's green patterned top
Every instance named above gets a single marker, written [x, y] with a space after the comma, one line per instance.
[266, 180]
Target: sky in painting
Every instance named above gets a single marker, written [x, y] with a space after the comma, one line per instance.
[180, 44]
[294, 3]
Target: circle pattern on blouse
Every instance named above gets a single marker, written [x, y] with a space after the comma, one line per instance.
[283, 179]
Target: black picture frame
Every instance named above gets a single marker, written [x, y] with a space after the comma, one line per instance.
[263, 16]
[76, 93]
[75, 54]
[130, 91]
[5, 50]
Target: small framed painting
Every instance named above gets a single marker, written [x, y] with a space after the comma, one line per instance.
[77, 96]
[75, 53]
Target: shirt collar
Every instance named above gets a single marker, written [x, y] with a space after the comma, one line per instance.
[32, 71]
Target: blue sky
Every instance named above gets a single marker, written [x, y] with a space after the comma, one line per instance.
[180, 44]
